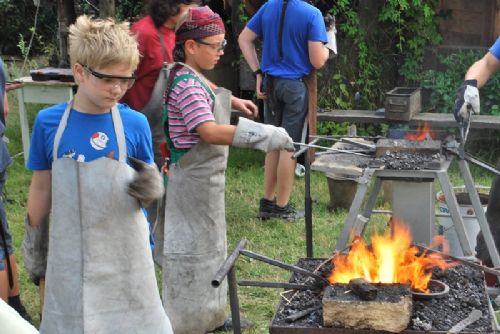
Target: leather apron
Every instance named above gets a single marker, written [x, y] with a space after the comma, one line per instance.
[100, 274]
[195, 233]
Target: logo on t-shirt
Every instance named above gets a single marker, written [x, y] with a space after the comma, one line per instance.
[99, 140]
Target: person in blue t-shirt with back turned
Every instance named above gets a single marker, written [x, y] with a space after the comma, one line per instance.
[467, 101]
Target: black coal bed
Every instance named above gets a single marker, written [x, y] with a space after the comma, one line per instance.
[438, 315]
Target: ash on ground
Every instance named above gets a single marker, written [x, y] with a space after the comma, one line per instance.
[404, 160]
[467, 292]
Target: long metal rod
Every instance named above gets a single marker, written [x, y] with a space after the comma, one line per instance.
[233, 300]
[228, 264]
[463, 261]
[283, 265]
[276, 285]
[303, 149]
[329, 149]
[308, 207]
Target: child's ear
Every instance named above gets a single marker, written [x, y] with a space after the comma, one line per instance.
[189, 46]
[78, 72]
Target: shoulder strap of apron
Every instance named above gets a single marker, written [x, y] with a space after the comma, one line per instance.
[280, 34]
[118, 127]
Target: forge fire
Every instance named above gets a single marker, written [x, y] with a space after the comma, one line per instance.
[390, 258]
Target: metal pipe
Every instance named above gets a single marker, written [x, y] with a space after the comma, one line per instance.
[228, 264]
[303, 149]
[233, 300]
[283, 265]
[328, 149]
[277, 285]
[308, 207]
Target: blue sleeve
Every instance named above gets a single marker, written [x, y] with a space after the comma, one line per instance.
[317, 30]
[255, 23]
[495, 49]
[138, 134]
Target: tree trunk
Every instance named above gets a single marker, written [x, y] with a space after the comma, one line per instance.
[65, 16]
[106, 8]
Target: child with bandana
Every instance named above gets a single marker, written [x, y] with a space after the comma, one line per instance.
[196, 123]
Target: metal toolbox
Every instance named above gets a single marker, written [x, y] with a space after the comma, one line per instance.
[402, 103]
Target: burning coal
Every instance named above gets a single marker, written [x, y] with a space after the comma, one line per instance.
[391, 258]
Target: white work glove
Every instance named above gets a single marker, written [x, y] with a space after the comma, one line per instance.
[331, 32]
[260, 136]
[467, 101]
[34, 248]
[147, 184]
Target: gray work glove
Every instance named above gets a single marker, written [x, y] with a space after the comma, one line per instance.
[34, 248]
[467, 101]
[147, 184]
[331, 32]
[260, 136]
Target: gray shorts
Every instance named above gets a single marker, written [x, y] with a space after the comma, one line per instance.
[287, 106]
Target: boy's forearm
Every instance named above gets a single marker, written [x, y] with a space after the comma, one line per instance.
[39, 197]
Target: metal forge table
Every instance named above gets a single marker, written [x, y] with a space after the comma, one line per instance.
[413, 202]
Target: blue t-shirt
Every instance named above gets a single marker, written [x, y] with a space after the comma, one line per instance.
[87, 136]
[495, 48]
[303, 23]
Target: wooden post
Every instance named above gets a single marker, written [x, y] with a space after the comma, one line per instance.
[106, 8]
[65, 16]
[311, 82]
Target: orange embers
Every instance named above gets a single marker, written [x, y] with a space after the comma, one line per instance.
[423, 132]
[389, 259]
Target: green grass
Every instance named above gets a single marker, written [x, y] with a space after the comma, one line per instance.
[284, 241]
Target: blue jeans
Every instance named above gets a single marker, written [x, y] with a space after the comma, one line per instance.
[286, 105]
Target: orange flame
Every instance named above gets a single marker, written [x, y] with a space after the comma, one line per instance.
[390, 259]
[423, 132]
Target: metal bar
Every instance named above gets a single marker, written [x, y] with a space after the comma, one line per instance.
[308, 207]
[228, 264]
[303, 149]
[370, 147]
[329, 149]
[233, 300]
[463, 261]
[283, 265]
[296, 316]
[456, 216]
[277, 285]
[478, 208]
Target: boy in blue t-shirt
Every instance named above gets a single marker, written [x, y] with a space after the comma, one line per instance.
[81, 155]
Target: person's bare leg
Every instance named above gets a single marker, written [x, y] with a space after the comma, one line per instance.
[15, 288]
[270, 174]
[285, 177]
[4, 284]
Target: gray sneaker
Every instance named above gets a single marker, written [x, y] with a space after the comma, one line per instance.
[270, 210]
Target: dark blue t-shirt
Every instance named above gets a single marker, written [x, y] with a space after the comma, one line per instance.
[495, 48]
[87, 136]
[303, 23]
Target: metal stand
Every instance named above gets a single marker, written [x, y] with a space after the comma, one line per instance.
[423, 226]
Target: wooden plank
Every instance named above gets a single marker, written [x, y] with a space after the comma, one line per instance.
[434, 120]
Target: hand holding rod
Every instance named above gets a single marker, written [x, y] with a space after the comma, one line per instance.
[284, 265]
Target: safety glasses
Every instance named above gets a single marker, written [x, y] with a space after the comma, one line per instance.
[216, 46]
[111, 80]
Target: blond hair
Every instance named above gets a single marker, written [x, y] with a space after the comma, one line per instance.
[100, 43]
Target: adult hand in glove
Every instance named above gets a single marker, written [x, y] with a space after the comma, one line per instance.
[467, 101]
[330, 33]
[263, 137]
[147, 184]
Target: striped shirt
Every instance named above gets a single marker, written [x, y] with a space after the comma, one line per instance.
[189, 105]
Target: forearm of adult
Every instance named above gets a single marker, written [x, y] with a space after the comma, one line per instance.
[318, 54]
[218, 134]
[39, 197]
[483, 69]
[246, 40]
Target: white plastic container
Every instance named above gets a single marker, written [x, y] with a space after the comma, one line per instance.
[446, 226]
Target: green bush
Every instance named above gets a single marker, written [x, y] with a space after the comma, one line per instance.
[443, 85]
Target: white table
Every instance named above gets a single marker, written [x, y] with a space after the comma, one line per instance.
[43, 92]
